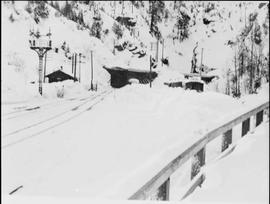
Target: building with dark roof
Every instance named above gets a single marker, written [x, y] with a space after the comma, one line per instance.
[120, 77]
[59, 75]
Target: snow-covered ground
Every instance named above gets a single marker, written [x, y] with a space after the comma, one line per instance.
[107, 144]
[113, 149]
[20, 63]
[242, 176]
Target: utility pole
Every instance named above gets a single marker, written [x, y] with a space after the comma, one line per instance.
[75, 66]
[91, 69]
[80, 54]
[72, 63]
[114, 46]
[45, 67]
[201, 61]
[41, 51]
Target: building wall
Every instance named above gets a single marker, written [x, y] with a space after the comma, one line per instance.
[194, 86]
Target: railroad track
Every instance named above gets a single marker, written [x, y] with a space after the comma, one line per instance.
[40, 127]
[26, 110]
[54, 116]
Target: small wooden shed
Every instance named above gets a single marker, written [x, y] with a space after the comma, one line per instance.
[59, 75]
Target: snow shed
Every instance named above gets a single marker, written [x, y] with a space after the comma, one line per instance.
[206, 78]
[194, 85]
[174, 84]
[120, 77]
[59, 75]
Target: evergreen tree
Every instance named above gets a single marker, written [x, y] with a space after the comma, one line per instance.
[182, 22]
[156, 11]
[56, 6]
[266, 23]
[96, 29]
[11, 18]
[41, 9]
[67, 10]
[80, 18]
[117, 30]
[257, 34]
[28, 7]
[182, 25]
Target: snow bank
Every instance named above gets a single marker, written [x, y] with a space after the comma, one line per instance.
[242, 176]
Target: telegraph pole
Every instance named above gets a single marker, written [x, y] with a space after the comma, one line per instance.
[202, 57]
[91, 69]
[72, 63]
[114, 46]
[45, 67]
[201, 61]
[80, 54]
[41, 50]
[75, 65]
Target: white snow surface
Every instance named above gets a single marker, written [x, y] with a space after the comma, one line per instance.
[110, 151]
[242, 176]
[20, 63]
[108, 148]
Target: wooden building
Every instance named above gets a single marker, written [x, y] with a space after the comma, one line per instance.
[59, 75]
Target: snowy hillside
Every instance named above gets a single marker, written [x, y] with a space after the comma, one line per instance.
[123, 99]
[225, 21]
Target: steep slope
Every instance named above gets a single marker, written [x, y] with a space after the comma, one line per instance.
[214, 25]
[20, 63]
